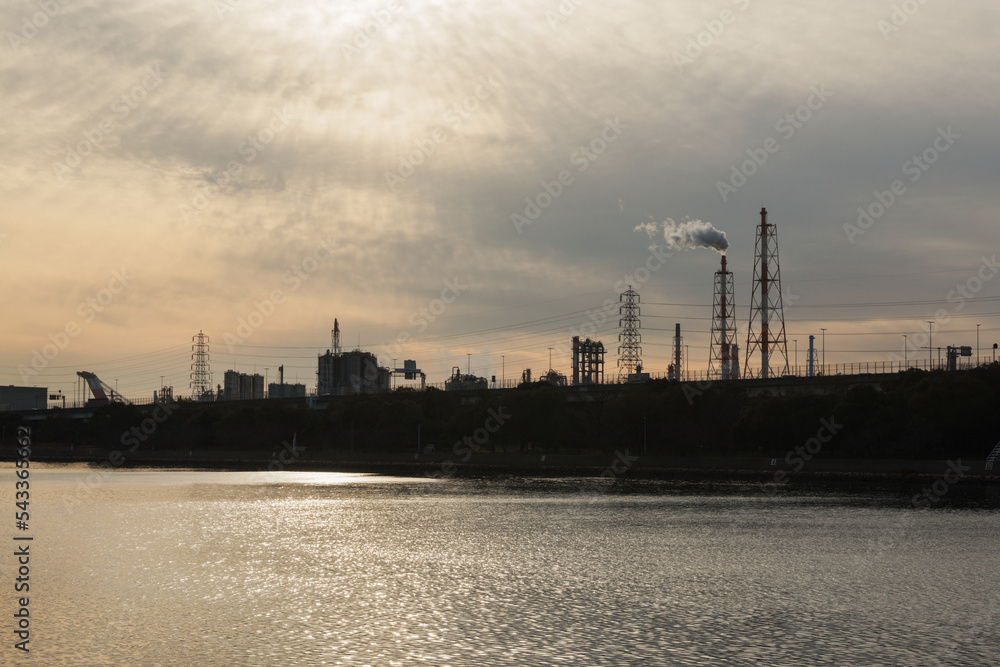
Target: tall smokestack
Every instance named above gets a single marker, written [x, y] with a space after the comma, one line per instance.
[810, 367]
[724, 319]
[722, 362]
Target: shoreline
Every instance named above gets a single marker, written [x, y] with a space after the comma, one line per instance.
[616, 466]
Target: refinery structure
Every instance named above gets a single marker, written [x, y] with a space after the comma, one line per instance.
[356, 372]
[339, 372]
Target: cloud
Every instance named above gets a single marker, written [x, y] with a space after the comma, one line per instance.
[323, 174]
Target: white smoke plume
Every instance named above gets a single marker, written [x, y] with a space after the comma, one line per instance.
[687, 234]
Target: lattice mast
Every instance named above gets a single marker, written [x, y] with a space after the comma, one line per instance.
[201, 372]
[722, 355]
[769, 338]
[629, 350]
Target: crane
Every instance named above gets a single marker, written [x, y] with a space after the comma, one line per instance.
[102, 391]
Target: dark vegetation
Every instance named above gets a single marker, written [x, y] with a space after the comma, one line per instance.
[913, 415]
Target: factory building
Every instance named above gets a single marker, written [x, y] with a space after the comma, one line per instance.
[460, 381]
[242, 386]
[554, 377]
[355, 372]
[281, 390]
[22, 398]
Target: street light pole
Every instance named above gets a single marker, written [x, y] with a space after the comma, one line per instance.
[930, 344]
[977, 345]
[796, 341]
[824, 348]
[503, 369]
[905, 350]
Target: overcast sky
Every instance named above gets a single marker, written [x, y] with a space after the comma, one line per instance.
[364, 158]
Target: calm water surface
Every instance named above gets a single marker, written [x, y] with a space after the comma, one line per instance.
[242, 568]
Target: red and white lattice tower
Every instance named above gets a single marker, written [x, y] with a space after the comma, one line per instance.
[767, 339]
[722, 357]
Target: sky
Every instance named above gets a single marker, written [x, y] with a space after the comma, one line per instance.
[470, 184]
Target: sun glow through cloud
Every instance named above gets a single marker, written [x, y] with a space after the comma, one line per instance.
[208, 148]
